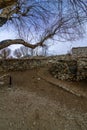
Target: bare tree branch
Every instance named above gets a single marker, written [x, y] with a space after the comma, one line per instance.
[6, 43]
[65, 21]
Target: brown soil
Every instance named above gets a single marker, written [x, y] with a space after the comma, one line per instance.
[36, 102]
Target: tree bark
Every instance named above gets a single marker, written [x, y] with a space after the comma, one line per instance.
[6, 3]
[6, 43]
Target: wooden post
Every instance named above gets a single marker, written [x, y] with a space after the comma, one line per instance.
[10, 81]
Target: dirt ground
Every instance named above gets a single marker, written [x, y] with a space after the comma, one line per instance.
[34, 103]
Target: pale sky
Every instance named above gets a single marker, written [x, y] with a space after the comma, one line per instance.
[54, 49]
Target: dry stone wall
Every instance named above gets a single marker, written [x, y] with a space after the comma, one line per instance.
[64, 70]
[20, 64]
[61, 67]
[82, 68]
[79, 52]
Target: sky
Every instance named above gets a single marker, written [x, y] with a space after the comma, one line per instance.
[8, 33]
[56, 48]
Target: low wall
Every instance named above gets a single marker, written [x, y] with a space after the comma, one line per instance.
[70, 68]
[79, 52]
[20, 64]
[64, 70]
[61, 67]
[82, 68]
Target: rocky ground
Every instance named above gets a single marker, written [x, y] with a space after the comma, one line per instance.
[36, 102]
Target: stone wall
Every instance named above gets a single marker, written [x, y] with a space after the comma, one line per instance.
[82, 68]
[79, 52]
[24, 64]
[20, 64]
[64, 70]
[61, 67]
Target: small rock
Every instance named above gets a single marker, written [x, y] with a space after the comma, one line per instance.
[1, 83]
[34, 123]
[38, 78]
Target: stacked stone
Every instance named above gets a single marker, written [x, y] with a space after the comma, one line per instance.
[20, 64]
[64, 70]
[82, 68]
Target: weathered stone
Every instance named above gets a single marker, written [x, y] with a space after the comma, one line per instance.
[82, 68]
[61, 67]
[79, 52]
[64, 70]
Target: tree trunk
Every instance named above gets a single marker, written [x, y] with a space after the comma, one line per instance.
[5, 3]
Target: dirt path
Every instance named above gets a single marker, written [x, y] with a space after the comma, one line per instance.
[77, 88]
[34, 104]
